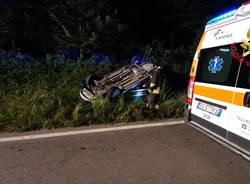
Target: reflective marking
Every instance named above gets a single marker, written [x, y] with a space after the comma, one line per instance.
[220, 94]
[77, 132]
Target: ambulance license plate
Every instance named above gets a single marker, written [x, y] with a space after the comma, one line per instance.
[209, 108]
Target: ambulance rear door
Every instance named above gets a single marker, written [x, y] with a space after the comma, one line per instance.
[214, 89]
[239, 126]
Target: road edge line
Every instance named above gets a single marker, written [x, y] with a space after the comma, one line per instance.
[78, 132]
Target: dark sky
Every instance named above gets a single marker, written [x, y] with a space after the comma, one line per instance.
[170, 20]
[173, 22]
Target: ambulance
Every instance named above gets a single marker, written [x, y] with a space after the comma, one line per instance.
[218, 101]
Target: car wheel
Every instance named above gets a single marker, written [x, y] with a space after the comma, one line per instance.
[90, 80]
[113, 93]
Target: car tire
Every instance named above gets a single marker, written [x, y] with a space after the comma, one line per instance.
[90, 80]
[113, 92]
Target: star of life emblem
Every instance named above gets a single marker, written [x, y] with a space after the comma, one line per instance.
[215, 64]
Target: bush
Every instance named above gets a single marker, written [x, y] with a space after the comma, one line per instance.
[102, 110]
[173, 108]
[43, 95]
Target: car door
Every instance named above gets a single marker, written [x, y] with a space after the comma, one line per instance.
[239, 126]
[214, 89]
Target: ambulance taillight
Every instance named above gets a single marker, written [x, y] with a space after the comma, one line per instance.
[190, 89]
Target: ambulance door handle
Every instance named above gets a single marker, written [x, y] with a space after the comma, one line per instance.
[247, 99]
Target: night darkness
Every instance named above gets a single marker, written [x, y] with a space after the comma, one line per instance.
[49, 49]
[38, 27]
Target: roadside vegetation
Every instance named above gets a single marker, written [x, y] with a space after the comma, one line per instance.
[41, 94]
[48, 48]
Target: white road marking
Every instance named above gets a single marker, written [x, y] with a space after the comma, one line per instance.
[77, 132]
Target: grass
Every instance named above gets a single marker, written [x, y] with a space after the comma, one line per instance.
[46, 95]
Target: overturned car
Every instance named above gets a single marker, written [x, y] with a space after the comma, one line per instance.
[117, 82]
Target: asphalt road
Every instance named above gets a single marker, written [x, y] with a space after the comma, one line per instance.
[169, 154]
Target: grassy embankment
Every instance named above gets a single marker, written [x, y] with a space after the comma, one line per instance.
[45, 95]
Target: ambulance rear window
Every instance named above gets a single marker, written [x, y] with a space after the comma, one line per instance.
[216, 66]
[244, 75]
